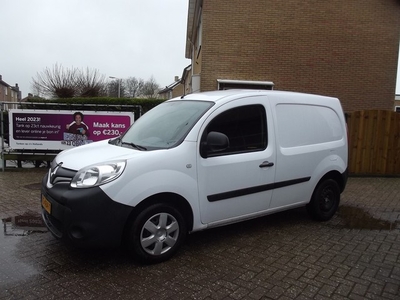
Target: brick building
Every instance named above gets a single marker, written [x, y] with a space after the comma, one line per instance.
[347, 49]
[9, 93]
[397, 103]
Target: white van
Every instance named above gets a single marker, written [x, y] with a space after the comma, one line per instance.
[196, 162]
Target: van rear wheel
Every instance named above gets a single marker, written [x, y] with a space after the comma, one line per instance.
[156, 233]
[324, 201]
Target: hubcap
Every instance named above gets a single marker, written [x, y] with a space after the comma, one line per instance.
[159, 233]
[327, 200]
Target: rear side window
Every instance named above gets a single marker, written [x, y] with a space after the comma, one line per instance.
[301, 125]
[245, 126]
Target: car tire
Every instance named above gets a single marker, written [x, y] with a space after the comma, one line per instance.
[156, 233]
[324, 201]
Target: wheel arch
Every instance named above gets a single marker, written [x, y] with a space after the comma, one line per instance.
[325, 198]
[173, 199]
[341, 179]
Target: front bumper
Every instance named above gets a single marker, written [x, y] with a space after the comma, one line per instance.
[86, 217]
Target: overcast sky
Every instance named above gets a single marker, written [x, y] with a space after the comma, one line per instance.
[120, 38]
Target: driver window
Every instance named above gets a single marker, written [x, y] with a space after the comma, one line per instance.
[245, 127]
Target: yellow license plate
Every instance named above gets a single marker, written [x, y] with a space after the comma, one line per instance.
[46, 204]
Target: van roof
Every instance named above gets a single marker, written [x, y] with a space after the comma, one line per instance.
[221, 95]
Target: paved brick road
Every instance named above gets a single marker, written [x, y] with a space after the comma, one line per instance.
[356, 255]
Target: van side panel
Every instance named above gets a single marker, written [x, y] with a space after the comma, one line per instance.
[311, 141]
[303, 124]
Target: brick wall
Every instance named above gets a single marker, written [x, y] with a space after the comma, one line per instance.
[2, 94]
[347, 49]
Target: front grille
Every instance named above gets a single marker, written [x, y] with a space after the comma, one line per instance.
[58, 174]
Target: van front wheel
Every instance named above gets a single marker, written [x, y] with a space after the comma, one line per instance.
[156, 233]
[324, 201]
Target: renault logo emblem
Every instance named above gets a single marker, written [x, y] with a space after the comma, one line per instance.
[54, 171]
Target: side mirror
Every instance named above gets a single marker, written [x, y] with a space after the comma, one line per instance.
[215, 142]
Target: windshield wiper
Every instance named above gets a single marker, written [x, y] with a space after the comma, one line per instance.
[134, 146]
[115, 141]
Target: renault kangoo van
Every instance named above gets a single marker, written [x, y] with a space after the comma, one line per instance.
[196, 162]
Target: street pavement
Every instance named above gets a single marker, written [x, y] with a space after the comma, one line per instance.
[355, 255]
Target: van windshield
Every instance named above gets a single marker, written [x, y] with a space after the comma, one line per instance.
[166, 125]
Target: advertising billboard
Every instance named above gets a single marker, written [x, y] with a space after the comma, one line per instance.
[60, 130]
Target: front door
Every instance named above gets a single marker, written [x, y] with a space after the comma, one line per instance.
[236, 183]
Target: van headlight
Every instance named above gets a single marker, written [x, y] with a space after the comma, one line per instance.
[96, 175]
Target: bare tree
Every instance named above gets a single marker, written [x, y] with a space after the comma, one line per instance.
[59, 82]
[56, 82]
[91, 84]
[67, 83]
[134, 86]
[116, 88]
[37, 90]
[151, 88]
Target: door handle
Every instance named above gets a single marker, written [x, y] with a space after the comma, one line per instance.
[266, 164]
